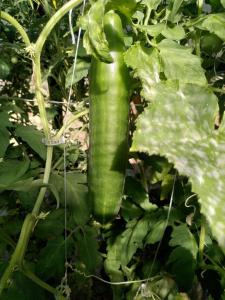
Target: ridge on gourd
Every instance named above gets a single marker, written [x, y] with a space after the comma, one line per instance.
[109, 119]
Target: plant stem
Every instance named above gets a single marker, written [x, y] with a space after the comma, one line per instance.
[200, 6]
[16, 24]
[202, 241]
[38, 281]
[39, 95]
[53, 21]
[19, 252]
[47, 172]
[218, 90]
[70, 121]
[147, 17]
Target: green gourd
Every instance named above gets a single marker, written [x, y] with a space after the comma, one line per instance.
[109, 120]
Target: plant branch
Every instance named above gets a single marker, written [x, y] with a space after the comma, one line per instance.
[70, 121]
[47, 172]
[53, 21]
[19, 252]
[40, 282]
[5, 16]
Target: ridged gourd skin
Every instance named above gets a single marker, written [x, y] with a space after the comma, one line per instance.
[109, 120]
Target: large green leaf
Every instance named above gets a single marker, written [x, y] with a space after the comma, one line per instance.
[179, 125]
[33, 138]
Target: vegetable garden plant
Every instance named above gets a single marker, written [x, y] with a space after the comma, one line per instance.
[139, 213]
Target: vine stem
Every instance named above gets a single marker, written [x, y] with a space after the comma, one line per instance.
[200, 6]
[202, 240]
[70, 121]
[5, 16]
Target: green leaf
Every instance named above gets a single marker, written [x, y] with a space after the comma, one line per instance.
[156, 231]
[52, 259]
[5, 136]
[121, 250]
[151, 4]
[182, 266]
[176, 6]
[146, 65]
[126, 7]
[4, 140]
[180, 64]
[157, 223]
[76, 195]
[215, 23]
[130, 210]
[81, 71]
[87, 249]
[94, 39]
[179, 123]
[223, 3]
[4, 117]
[138, 194]
[153, 30]
[51, 226]
[181, 236]
[12, 170]
[174, 33]
[33, 138]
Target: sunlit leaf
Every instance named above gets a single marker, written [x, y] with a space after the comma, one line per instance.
[81, 71]
[175, 8]
[152, 4]
[180, 64]
[215, 23]
[179, 125]
[126, 7]
[146, 65]
[174, 33]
